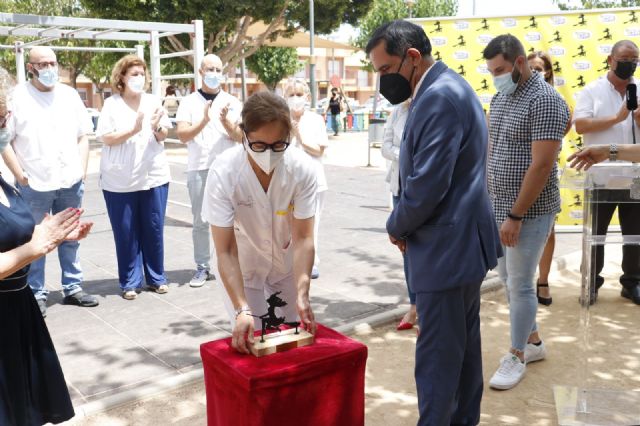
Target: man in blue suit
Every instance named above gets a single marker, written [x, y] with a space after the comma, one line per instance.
[443, 221]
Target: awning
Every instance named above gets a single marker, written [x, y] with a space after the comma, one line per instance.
[299, 39]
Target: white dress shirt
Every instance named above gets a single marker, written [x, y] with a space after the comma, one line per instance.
[393, 130]
[262, 220]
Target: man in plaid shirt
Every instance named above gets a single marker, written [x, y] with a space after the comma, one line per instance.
[527, 122]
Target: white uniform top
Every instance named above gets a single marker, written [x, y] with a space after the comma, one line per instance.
[262, 220]
[393, 129]
[313, 127]
[46, 127]
[213, 139]
[138, 163]
[600, 99]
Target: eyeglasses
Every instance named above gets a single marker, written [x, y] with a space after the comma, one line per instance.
[43, 65]
[260, 146]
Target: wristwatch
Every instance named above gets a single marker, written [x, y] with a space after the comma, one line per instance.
[613, 152]
[241, 309]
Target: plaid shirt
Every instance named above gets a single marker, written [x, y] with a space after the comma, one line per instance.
[534, 112]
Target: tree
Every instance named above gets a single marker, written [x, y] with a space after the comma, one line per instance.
[226, 21]
[272, 64]
[388, 10]
[588, 4]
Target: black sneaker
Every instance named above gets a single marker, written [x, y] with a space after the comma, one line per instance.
[632, 294]
[42, 304]
[81, 299]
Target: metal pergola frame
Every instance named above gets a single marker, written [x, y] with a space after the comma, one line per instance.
[49, 28]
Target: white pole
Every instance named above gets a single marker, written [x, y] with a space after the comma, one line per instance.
[20, 62]
[198, 52]
[243, 79]
[155, 64]
[140, 51]
[312, 58]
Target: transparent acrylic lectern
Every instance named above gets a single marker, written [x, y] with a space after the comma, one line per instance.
[603, 392]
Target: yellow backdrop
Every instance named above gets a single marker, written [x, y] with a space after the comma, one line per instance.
[578, 43]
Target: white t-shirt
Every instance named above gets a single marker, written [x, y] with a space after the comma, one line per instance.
[600, 99]
[313, 128]
[213, 139]
[139, 163]
[46, 127]
[262, 220]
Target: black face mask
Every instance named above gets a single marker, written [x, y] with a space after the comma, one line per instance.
[625, 70]
[395, 87]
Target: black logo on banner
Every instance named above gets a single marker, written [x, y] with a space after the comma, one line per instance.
[632, 17]
[485, 25]
[531, 49]
[557, 36]
[581, 21]
[580, 82]
[437, 56]
[532, 23]
[461, 70]
[606, 35]
[461, 41]
[605, 66]
[577, 201]
[577, 143]
[484, 85]
[581, 52]
[438, 27]
[556, 66]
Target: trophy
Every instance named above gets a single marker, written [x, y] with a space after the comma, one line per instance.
[282, 340]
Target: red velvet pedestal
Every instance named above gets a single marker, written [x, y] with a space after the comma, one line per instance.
[317, 385]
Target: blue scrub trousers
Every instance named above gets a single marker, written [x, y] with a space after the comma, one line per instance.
[137, 220]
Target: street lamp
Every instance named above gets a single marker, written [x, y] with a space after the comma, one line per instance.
[410, 4]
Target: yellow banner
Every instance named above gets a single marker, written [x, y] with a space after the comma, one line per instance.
[577, 41]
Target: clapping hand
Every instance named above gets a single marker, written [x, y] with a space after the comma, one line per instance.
[223, 112]
[55, 229]
[155, 118]
[138, 124]
[205, 117]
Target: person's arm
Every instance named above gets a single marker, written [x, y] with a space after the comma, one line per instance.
[83, 148]
[232, 128]
[585, 158]
[389, 150]
[116, 138]
[308, 141]
[52, 231]
[157, 116]
[187, 131]
[303, 255]
[226, 247]
[11, 160]
[598, 124]
[544, 155]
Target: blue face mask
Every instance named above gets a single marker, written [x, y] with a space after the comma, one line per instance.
[213, 80]
[505, 83]
[48, 76]
[5, 138]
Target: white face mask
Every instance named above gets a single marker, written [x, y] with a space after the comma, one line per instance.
[267, 160]
[48, 77]
[136, 83]
[296, 103]
[213, 80]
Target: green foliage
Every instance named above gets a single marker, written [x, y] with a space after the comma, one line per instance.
[388, 10]
[589, 4]
[272, 64]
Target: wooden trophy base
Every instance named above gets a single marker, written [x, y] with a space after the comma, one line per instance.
[281, 341]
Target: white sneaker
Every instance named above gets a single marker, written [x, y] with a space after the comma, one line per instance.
[533, 353]
[509, 374]
[200, 277]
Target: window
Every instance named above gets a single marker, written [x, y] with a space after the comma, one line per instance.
[334, 67]
[363, 78]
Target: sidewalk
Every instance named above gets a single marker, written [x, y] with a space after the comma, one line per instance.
[123, 350]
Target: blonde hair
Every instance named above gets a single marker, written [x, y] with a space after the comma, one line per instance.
[6, 89]
[290, 85]
[120, 70]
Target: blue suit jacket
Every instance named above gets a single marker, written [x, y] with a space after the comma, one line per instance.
[444, 211]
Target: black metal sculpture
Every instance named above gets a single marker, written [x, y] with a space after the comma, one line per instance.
[272, 322]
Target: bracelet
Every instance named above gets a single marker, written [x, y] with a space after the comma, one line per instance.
[613, 152]
[242, 309]
[159, 129]
[515, 217]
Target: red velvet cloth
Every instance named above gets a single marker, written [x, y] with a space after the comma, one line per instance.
[321, 384]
